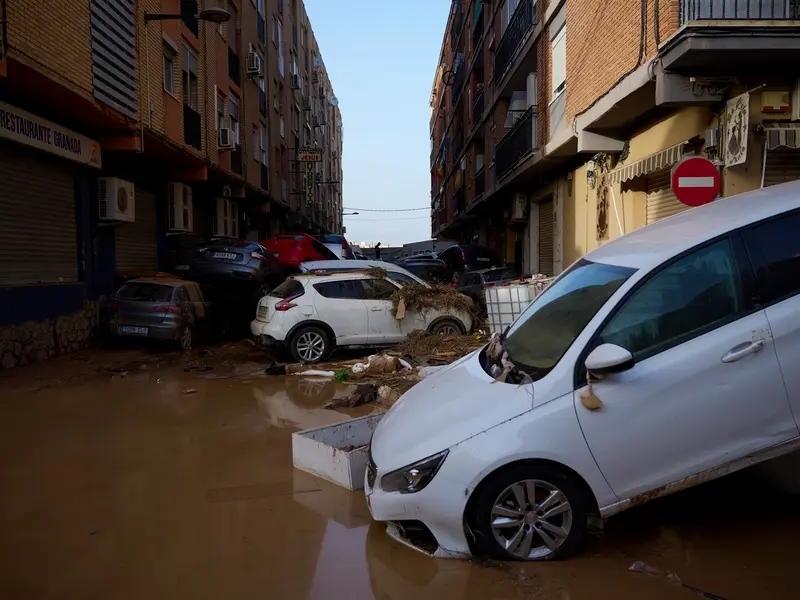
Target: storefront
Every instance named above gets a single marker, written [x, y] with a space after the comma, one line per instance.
[45, 249]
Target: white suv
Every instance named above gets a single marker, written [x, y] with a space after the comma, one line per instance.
[313, 313]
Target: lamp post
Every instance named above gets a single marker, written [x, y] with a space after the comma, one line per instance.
[349, 214]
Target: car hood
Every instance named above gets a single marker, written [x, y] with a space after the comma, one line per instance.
[454, 404]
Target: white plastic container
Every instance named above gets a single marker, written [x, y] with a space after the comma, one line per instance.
[506, 302]
[338, 452]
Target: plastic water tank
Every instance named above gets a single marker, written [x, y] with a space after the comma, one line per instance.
[505, 303]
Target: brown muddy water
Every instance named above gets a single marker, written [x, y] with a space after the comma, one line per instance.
[149, 482]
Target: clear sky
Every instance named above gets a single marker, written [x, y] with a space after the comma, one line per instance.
[381, 57]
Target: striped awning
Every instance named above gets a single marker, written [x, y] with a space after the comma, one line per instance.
[655, 162]
[782, 134]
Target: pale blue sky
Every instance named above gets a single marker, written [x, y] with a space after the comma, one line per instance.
[381, 57]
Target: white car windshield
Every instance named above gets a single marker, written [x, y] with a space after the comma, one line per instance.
[541, 335]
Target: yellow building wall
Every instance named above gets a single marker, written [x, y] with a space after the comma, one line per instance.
[626, 209]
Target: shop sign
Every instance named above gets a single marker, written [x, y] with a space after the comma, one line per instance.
[28, 129]
[309, 155]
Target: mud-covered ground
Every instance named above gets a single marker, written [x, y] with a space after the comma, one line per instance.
[132, 474]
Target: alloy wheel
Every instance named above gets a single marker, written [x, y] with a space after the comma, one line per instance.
[310, 346]
[186, 338]
[531, 519]
[447, 329]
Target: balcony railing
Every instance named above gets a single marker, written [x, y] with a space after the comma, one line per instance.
[691, 10]
[460, 78]
[516, 143]
[480, 183]
[458, 25]
[233, 66]
[192, 129]
[237, 162]
[477, 107]
[523, 21]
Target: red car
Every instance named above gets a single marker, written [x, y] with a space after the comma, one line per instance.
[294, 248]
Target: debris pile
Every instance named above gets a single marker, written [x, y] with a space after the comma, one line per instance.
[427, 345]
[376, 273]
[424, 299]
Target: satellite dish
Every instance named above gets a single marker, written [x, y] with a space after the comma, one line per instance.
[334, 101]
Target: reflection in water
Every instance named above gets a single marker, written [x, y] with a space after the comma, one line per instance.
[295, 402]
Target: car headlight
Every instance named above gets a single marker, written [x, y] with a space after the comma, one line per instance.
[414, 477]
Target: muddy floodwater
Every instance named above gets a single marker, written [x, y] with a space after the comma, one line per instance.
[124, 477]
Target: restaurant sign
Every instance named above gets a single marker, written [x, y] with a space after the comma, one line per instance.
[23, 127]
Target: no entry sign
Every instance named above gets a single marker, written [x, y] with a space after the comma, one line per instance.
[695, 181]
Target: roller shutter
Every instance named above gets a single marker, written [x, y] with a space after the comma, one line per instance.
[38, 237]
[546, 238]
[661, 202]
[783, 164]
[136, 244]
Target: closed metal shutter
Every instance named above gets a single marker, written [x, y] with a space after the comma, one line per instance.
[661, 202]
[783, 164]
[38, 237]
[136, 243]
[546, 238]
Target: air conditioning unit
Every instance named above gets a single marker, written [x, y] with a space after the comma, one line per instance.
[225, 141]
[227, 192]
[253, 64]
[117, 201]
[180, 218]
[306, 103]
[226, 219]
[296, 82]
[519, 207]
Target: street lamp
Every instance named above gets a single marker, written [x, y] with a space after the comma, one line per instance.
[349, 214]
[189, 10]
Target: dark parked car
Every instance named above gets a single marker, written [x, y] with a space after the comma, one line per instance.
[473, 283]
[156, 308]
[462, 258]
[242, 268]
[429, 270]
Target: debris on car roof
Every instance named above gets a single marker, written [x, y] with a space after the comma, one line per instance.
[436, 297]
[376, 272]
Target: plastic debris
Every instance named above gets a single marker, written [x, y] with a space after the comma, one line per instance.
[315, 373]
[387, 396]
[428, 371]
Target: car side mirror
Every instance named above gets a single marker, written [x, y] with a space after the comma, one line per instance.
[608, 358]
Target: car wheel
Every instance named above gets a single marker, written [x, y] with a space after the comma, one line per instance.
[185, 339]
[446, 327]
[309, 344]
[529, 512]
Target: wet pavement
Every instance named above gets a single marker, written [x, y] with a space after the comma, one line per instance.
[124, 481]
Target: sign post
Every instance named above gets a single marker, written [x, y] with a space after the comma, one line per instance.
[695, 181]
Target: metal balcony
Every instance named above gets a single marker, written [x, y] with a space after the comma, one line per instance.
[517, 143]
[774, 10]
[522, 22]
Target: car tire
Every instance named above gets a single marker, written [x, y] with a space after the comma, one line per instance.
[185, 338]
[310, 345]
[447, 327]
[504, 532]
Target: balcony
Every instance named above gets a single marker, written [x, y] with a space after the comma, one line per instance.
[480, 184]
[458, 25]
[459, 202]
[522, 22]
[233, 67]
[457, 145]
[478, 107]
[517, 143]
[477, 22]
[739, 37]
[237, 162]
[192, 128]
[461, 75]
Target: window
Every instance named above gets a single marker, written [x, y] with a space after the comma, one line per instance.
[263, 144]
[341, 290]
[506, 13]
[291, 288]
[280, 49]
[296, 119]
[402, 278]
[547, 328]
[777, 245]
[233, 42]
[559, 61]
[378, 289]
[275, 94]
[234, 117]
[190, 89]
[684, 300]
[169, 69]
[220, 111]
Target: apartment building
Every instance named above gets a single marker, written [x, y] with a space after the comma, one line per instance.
[555, 124]
[130, 130]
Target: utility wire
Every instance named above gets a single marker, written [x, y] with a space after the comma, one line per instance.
[394, 219]
[387, 209]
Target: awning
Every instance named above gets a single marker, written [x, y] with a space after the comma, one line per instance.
[655, 162]
[782, 134]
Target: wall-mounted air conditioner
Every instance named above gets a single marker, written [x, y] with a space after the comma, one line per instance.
[180, 215]
[296, 85]
[225, 141]
[117, 201]
[253, 64]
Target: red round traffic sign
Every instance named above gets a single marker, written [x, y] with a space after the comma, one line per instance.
[695, 181]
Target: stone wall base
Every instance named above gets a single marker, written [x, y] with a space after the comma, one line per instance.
[39, 340]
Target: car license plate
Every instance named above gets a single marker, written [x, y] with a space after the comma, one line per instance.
[483, 259]
[182, 268]
[131, 330]
[225, 255]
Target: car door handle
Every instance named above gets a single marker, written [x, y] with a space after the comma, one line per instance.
[376, 309]
[742, 350]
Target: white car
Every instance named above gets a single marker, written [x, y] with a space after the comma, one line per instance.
[311, 314]
[398, 274]
[688, 330]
